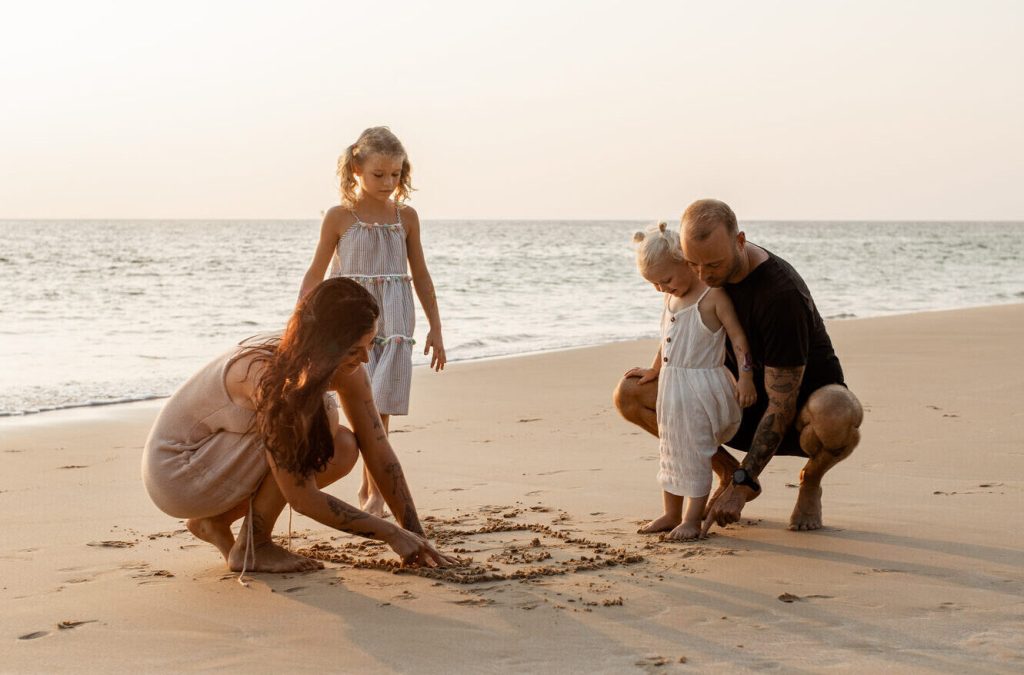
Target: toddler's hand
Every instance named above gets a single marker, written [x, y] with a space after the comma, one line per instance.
[746, 392]
[438, 358]
[645, 374]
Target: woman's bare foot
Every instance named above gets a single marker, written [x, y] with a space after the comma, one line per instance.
[664, 523]
[213, 531]
[684, 532]
[269, 557]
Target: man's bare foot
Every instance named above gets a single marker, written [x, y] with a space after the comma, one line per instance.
[212, 531]
[684, 532]
[807, 512]
[269, 558]
[664, 523]
[374, 505]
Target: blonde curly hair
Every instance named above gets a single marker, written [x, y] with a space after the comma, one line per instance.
[375, 140]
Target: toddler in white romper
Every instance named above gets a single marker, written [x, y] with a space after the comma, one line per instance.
[698, 401]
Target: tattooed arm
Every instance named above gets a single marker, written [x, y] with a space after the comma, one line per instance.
[306, 498]
[357, 402]
[783, 386]
[304, 495]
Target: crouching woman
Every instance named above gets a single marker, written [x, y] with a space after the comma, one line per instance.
[257, 429]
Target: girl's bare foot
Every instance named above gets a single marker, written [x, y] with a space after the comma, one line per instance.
[213, 531]
[684, 532]
[664, 523]
[269, 557]
[374, 505]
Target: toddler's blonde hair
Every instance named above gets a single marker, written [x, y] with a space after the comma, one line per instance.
[656, 244]
[375, 140]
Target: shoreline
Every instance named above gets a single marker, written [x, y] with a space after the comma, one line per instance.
[6, 417]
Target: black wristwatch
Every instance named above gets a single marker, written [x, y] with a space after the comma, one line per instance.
[741, 477]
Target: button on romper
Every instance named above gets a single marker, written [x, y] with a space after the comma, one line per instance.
[697, 408]
[375, 256]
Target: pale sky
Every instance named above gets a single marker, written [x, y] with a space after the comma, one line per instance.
[524, 109]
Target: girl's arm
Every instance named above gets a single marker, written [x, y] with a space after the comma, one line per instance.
[746, 392]
[336, 221]
[424, 286]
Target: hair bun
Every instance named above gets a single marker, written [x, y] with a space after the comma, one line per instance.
[638, 237]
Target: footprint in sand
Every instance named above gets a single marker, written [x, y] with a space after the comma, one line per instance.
[653, 664]
[474, 602]
[33, 636]
[68, 625]
[529, 419]
[73, 466]
[112, 544]
[153, 573]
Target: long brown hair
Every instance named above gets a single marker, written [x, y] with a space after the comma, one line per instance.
[290, 414]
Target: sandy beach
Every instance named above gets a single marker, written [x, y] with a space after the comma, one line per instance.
[523, 465]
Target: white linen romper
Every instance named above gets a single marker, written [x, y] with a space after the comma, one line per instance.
[375, 256]
[697, 409]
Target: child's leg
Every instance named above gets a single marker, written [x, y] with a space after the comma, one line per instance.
[370, 498]
[669, 519]
[693, 513]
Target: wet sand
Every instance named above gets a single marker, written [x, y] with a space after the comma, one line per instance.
[522, 468]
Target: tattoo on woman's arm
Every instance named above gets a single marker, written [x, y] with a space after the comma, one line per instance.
[347, 515]
[400, 488]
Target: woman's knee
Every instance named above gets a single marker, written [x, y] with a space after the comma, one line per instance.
[346, 451]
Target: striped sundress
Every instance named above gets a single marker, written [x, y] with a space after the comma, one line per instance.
[375, 256]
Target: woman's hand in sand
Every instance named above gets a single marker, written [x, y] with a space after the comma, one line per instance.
[645, 374]
[438, 358]
[416, 550]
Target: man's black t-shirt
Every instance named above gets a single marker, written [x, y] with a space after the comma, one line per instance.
[784, 329]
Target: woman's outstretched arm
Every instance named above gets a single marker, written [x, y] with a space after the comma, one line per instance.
[357, 402]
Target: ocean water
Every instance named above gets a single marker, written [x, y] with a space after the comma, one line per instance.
[96, 312]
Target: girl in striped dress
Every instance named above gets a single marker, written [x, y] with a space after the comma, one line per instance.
[374, 238]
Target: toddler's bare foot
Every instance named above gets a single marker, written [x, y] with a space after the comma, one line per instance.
[270, 558]
[661, 524]
[807, 512]
[212, 531]
[684, 532]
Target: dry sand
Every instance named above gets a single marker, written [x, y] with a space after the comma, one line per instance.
[523, 465]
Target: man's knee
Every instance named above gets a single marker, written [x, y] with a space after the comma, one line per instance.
[626, 397]
[830, 420]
